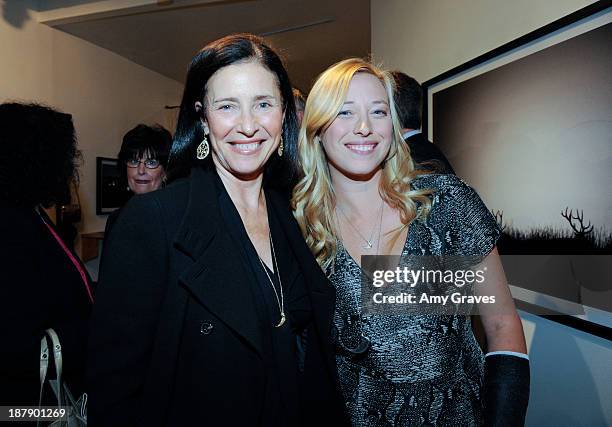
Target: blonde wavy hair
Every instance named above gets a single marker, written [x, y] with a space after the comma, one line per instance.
[313, 200]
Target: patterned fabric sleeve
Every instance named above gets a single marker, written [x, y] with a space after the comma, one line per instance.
[462, 221]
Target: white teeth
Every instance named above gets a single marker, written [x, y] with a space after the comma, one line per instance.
[247, 147]
[368, 147]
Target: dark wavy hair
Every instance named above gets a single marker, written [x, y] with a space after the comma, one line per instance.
[38, 155]
[189, 132]
[153, 141]
[408, 96]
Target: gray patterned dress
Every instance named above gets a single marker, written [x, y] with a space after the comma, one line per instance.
[419, 369]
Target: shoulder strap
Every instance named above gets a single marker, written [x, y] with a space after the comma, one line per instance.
[44, 364]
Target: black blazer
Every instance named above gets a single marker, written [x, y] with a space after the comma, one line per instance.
[174, 334]
[422, 150]
[110, 221]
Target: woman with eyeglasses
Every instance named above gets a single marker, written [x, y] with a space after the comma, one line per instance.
[143, 158]
[211, 309]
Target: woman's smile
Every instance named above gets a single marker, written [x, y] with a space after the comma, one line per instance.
[247, 147]
[361, 148]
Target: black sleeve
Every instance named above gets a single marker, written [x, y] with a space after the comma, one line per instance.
[126, 312]
[506, 390]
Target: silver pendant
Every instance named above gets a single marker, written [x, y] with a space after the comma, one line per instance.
[362, 347]
[368, 245]
[282, 321]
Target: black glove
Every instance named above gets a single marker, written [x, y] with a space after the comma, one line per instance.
[506, 390]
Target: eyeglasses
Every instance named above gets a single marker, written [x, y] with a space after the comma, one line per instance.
[149, 163]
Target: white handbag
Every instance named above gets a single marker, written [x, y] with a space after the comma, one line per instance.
[77, 409]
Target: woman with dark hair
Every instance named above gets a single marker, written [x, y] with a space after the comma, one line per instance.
[43, 284]
[144, 152]
[211, 308]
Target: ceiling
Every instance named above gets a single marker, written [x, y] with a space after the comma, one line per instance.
[163, 35]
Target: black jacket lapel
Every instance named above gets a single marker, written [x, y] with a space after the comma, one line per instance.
[216, 276]
[322, 293]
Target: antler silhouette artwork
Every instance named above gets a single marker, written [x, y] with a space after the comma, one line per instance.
[580, 229]
[499, 218]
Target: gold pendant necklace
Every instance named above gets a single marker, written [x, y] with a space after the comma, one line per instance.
[281, 301]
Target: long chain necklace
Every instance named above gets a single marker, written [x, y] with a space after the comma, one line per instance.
[281, 301]
[369, 243]
[364, 342]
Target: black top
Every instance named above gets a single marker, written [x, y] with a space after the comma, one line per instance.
[40, 288]
[110, 221]
[280, 349]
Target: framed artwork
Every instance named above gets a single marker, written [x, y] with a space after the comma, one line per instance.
[529, 126]
[110, 193]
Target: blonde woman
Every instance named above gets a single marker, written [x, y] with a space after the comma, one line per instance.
[361, 195]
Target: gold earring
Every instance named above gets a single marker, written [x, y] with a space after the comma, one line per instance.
[203, 149]
[281, 147]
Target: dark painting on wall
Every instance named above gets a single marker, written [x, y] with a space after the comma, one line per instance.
[110, 193]
[530, 128]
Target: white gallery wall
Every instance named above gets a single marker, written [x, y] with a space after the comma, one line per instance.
[571, 370]
[428, 37]
[106, 94]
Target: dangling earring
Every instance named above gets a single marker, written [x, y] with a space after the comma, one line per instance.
[203, 149]
[281, 147]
